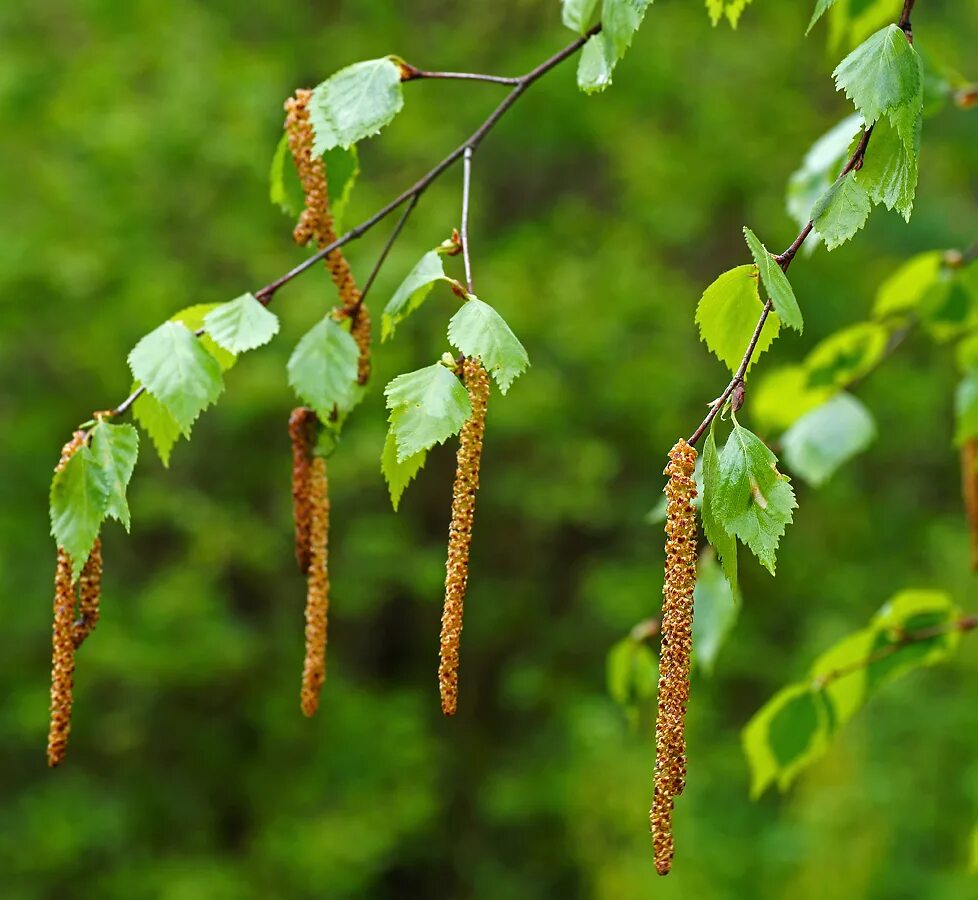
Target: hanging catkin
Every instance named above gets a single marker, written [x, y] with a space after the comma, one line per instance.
[317, 593]
[301, 428]
[316, 222]
[969, 490]
[460, 532]
[89, 595]
[674, 656]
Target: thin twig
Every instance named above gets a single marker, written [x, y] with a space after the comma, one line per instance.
[466, 190]
[411, 74]
[394, 235]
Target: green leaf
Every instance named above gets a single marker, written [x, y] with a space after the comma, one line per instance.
[355, 103]
[727, 316]
[241, 325]
[753, 500]
[632, 673]
[427, 407]
[342, 171]
[596, 66]
[715, 610]
[732, 9]
[847, 355]
[825, 438]
[775, 283]
[577, 14]
[397, 474]
[722, 541]
[620, 19]
[162, 428]
[841, 211]
[79, 498]
[193, 317]
[889, 172]
[788, 733]
[842, 671]
[479, 331]
[966, 408]
[284, 188]
[783, 396]
[115, 449]
[323, 368]
[820, 8]
[178, 371]
[903, 291]
[413, 291]
[881, 74]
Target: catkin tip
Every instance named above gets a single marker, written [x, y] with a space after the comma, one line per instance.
[317, 588]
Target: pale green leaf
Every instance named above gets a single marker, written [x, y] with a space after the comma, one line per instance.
[355, 103]
[577, 14]
[79, 497]
[193, 317]
[620, 19]
[241, 325]
[727, 316]
[732, 9]
[162, 428]
[398, 474]
[715, 610]
[479, 331]
[847, 355]
[115, 449]
[842, 671]
[413, 291]
[841, 211]
[775, 283]
[722, 541]
[827, 437]
[889, 172]
[596, 66]
[323, 368]
[820, 7]
[178, 371]
[783, 396]
[903, 291]
[427, 407]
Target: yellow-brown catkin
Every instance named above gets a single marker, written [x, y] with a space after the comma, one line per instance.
[969, 490]
[89, 595]
[674, 656]
[317, 593]
[460, 532]
[301, 429]
[63, 639]
[316, 222]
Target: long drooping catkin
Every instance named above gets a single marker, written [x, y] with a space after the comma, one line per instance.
[89, 595]
[460, 532]
[317, 592]
[301, 426]
[674, 656]
[969, 490]
[316, 221]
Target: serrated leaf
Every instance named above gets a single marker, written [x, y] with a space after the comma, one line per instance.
[727, 316]
[715, 609]
[178, 371]
[841, 211]
[847, 355]
[323, 368]
[479, 331]
[79, 497]
[889, 172]
[596, 66]
[413, 291]
[775, 283]
[908, 285]
[620, 19]
[241, 325]
[722, 541]
[193, 317]
[577, 14]
[398, 474]
[753, 500]
[827, 437]
[115, 449]
[355, 103]
[732, 9]
[881, 74]
[820, 9]
[161, 427]
[427, 407]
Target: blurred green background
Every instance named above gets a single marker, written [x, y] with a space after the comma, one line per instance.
[135, 140]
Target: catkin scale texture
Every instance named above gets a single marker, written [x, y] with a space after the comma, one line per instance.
[674, 655]
[301, 427]
[464, 491]
[317, 588]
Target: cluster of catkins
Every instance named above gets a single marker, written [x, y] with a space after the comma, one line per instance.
[674, 656]
[76, 612]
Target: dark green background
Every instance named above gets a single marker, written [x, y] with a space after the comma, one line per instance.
[134, 145]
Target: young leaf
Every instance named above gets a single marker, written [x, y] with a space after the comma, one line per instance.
[841, 211]
[577, 14]
[775, 283]
[79, 497]
[323, 368]
[753, 500]
[722, 541]
[715, 611]
[632, 674]
[157, 423]
[822, 440]
[427, 407]
[620, 19]
[820, 8]
[596, 66]
[881, 74]
[727, 315]
[241, 325]
[178, 371]
[732, 9]
[889, 172]
[193, 317]
[478, 330]
[847, 355]
[783, 396]
[903, 291]
[115, 449]
[355, 103]
[397, 474]
[412, 292]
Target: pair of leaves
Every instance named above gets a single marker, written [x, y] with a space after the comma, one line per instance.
[91, 486]
[620, 19]
[732, 9]
[794, 728]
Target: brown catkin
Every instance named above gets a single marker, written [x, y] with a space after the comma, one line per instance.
[674, 656]
[969, 490]
[316, 222]
[460, 532]
[89, 595]
[317, 593]
[301, 430]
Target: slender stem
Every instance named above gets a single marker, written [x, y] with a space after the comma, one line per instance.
[414, 74]
[466, 191]
[904, 22]
[394, 235]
